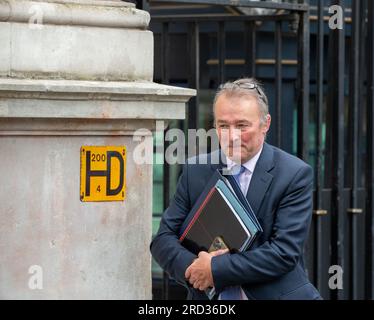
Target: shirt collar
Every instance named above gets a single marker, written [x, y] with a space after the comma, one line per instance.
[249, 165]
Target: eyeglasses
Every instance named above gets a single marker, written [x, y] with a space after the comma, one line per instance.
[249, 86]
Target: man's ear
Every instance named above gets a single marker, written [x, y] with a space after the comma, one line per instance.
[267, 124]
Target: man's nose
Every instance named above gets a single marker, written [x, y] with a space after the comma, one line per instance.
[234, 134]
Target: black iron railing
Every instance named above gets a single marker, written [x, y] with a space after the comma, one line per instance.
[332, 91]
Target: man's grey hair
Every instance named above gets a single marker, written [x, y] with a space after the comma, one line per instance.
[246, 87]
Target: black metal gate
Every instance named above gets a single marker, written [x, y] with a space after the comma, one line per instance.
[320, 82]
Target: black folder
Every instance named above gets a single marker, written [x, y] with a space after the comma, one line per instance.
[220, 218]
[221, 212]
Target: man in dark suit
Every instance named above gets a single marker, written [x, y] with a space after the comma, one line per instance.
[278, 187]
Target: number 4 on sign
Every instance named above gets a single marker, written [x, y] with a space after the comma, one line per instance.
[98, 189]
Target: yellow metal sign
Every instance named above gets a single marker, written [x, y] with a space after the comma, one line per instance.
[103, 173]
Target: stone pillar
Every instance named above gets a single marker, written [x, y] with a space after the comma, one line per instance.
[75, 73]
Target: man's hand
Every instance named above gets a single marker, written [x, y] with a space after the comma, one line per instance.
[199, 273]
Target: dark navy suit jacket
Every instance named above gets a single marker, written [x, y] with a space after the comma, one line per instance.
[280, 194]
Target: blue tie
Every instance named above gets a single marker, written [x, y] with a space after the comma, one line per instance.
[237, 176]
[233, 292]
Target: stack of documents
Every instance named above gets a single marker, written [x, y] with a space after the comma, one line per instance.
[220, 218]
[222, 212]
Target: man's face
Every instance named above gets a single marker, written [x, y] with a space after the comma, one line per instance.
[240, 130]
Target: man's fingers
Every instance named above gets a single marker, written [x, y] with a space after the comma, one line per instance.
[201, 285]
[192, 278]
[201, 253]
[187, 274]
[219, 252]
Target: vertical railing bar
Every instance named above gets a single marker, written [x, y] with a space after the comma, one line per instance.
[194, 48]
[370, 155]
[337, 103]
[221, 52]
[362, 83]
[303, 76]
[278, 81]
[353, 135]
[305, 87]
[330, 148]
[253, 49]
[197, 59]
[362, 129]
[247, 48]
[165, 53]
[319, 122]
[250, 48]
[303, 73]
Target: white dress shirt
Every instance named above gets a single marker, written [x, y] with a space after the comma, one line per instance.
[245, 180]
[246, 176]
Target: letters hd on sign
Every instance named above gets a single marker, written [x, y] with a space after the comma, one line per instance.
[103, 173]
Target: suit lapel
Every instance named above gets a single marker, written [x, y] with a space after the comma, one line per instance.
[261, 179]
